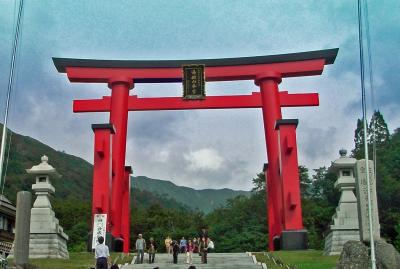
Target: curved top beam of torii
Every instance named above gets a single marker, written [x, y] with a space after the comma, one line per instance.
[224, 69]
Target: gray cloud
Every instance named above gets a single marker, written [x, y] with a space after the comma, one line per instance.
[159, 141]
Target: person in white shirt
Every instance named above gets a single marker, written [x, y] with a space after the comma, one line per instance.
[140, 247]
[101, 254]
[210, 246]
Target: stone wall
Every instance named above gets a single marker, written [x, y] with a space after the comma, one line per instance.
[48, 245]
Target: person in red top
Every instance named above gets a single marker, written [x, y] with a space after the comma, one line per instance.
[189, 253]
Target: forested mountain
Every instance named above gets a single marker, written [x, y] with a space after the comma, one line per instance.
[204, 200]
[76, 180]
[74, 188]
[26, 152]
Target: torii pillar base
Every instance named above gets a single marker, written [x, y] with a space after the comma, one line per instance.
[294, 240]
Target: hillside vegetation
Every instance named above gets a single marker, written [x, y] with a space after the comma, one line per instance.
[204, 200]
[73, 190]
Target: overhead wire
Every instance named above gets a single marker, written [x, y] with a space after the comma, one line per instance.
[14, 54]
[9, 141]
[374, 105]
[364, 112]
[13, 98]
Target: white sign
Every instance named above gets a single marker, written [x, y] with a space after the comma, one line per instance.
[99, 228]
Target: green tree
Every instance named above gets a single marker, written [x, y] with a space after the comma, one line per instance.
[319, 207]
[358, 150]
[305, 182]
[259, 183]
[323, 186]
[378, 132]
[378, 129]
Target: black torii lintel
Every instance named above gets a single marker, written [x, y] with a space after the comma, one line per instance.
[329, 55]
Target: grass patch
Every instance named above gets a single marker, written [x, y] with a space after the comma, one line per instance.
[77, 260]
[305, 259]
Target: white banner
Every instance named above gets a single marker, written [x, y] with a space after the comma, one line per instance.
[99, 228]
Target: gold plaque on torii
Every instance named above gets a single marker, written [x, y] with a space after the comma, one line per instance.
[193, 81]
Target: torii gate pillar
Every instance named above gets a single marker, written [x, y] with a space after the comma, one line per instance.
[101, 202]
[126, 209]
[293, 236]
[120, 87]
[271, 110]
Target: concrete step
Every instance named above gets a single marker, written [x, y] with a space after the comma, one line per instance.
[214, 261]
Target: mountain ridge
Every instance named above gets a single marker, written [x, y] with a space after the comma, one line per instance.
[76, 182]
[204, 199]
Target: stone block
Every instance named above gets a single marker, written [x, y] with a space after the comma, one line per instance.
[48, 246]
[294, 240]
[362, 195]
[355, 255]
[21, 247]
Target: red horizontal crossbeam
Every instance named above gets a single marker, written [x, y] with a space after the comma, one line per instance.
[213, 73]
[136, 103]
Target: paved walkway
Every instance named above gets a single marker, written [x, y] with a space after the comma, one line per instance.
[215, 261]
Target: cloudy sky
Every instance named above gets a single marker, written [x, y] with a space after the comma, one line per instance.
[197, 148]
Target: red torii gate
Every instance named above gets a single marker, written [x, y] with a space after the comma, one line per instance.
[112, 177]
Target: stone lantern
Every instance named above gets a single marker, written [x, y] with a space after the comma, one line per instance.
[47, 238]
[345, 225]
[43, 187]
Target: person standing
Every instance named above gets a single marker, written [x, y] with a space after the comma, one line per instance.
[195, 245]
[203, 249]
[175, 251]
[140, 247]
[101, 254]
[203, 233]
[210, 246]
[189, 253]
[152, 250]
[168, 244]
[183, 245]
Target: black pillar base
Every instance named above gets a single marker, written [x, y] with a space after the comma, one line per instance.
[109, 241]
[294, 240]
[277, 243]
[118, 244]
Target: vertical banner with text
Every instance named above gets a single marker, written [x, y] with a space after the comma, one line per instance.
[99, 228]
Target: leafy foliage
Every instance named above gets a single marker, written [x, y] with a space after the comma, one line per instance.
[377, 134]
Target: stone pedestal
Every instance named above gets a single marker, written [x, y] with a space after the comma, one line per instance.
[47, 238]
[345, 220]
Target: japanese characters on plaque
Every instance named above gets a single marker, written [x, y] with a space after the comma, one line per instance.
[362, 201]
[99, 228]
[193, 82]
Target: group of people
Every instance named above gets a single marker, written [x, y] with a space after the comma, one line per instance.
[141, 246]
[202, 245]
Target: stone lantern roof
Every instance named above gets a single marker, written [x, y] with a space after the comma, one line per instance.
[344, 161]
[44, 168]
